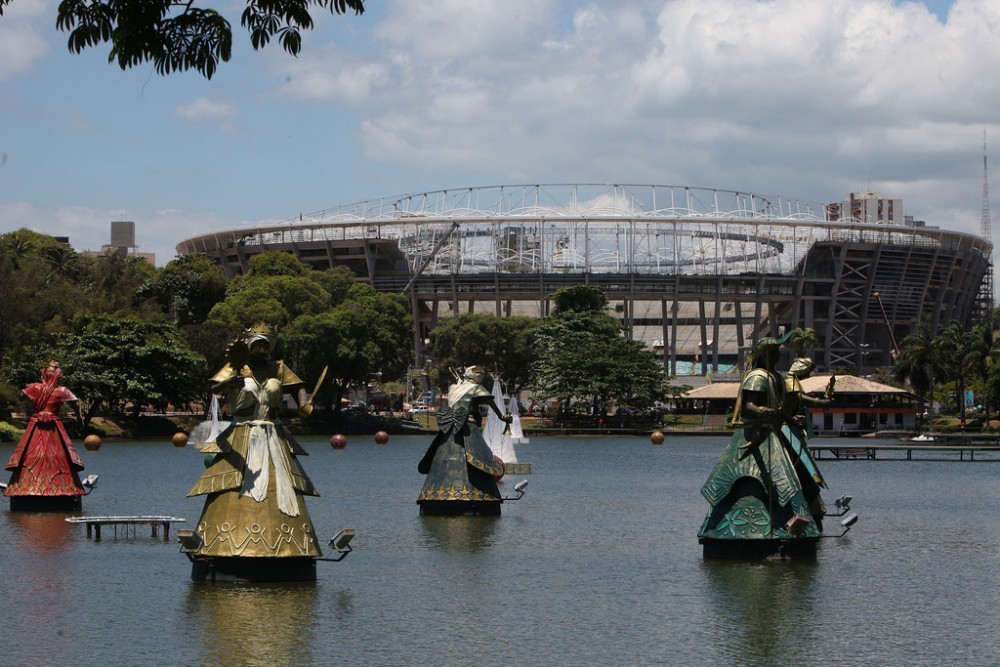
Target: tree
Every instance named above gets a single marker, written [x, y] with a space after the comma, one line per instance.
[188, 287]
[801, 339]
[369, 333]
[584, 355]
[176, 35]
[917, 363]
[957, 348]
[275, 299]
[504, 346]
[38, 299]
[119, 363]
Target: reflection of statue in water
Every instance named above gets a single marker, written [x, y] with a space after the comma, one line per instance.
[758, 508]
[797, 429]
[252, 625]
[460, 467]
[45, 465]
[255, 524]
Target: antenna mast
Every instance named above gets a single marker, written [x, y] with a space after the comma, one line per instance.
[986, 231]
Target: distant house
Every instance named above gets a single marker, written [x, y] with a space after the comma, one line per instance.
[859, 405]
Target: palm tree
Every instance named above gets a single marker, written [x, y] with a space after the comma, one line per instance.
[803, 339]
[917, 361]
[958, 360]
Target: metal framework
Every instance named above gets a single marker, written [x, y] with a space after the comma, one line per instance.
[698, 273]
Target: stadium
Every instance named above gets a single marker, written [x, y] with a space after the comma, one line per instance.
[698, 274]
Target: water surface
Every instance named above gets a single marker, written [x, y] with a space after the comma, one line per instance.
[599, 564]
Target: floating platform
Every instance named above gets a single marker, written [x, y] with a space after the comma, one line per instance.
[126, 524]
[519, 468]
[459, 507]
[72, 503]
[948, 450]
[802, 548]
[238, 569]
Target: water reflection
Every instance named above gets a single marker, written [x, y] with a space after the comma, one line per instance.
[254, 624]
[760, 609]
[459, 534]
[40, 543]
[40, 532]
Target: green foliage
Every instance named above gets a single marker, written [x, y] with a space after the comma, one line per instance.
[584, 356]
[582, 299]
[177, 36]
[275, 299]
[10, 433]
[188, 287]
[803, 338]
[368, 333]
[503, 346]
[117, 363]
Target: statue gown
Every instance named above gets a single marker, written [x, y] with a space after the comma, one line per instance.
[754, 489]
[44, 463]
[459, 464]
[255, 484]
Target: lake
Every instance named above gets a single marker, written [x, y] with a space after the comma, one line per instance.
[599, 564]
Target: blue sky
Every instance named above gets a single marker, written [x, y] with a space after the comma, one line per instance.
[808, 100]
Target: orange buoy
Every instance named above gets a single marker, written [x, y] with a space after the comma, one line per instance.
[338, 441]
[180, 439]
[656, 438]
[381, 437]
[92, 442]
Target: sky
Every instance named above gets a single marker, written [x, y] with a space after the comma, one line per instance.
[808, 100]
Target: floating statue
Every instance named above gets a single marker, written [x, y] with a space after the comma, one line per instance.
[797, 429]
[255, 525]
[45, 465]
[758, 506]
[461, 469]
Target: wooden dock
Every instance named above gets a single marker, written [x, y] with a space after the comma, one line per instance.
[948, 450]
[127, 524]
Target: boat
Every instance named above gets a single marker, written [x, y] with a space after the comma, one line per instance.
[923, 437]
[501, 436]
[496, 433]
[516, 432]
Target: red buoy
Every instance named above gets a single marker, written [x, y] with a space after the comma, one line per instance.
[338, 441]
[180, 439]
[381, 437]
[656, 438]
[92, 442]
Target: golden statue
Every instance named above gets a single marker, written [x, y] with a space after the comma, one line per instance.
[255, 524]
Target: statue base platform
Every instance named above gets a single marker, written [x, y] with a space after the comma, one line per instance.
[788, 549]
[253, 570]
[459, 507]
[46, 503]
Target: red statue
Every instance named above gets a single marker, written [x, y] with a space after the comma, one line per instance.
[45, 466]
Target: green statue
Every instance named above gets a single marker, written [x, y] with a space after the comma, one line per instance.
[758, 507]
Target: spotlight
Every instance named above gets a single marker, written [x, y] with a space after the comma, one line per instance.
[844, 502]
[342, 543]
[521, 486]
[190, 540]
[89, 482]
[342, 540]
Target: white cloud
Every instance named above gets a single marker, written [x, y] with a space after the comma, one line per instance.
[206, 110]
[21, 41]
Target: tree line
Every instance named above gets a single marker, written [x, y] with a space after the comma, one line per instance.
[131, 336]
